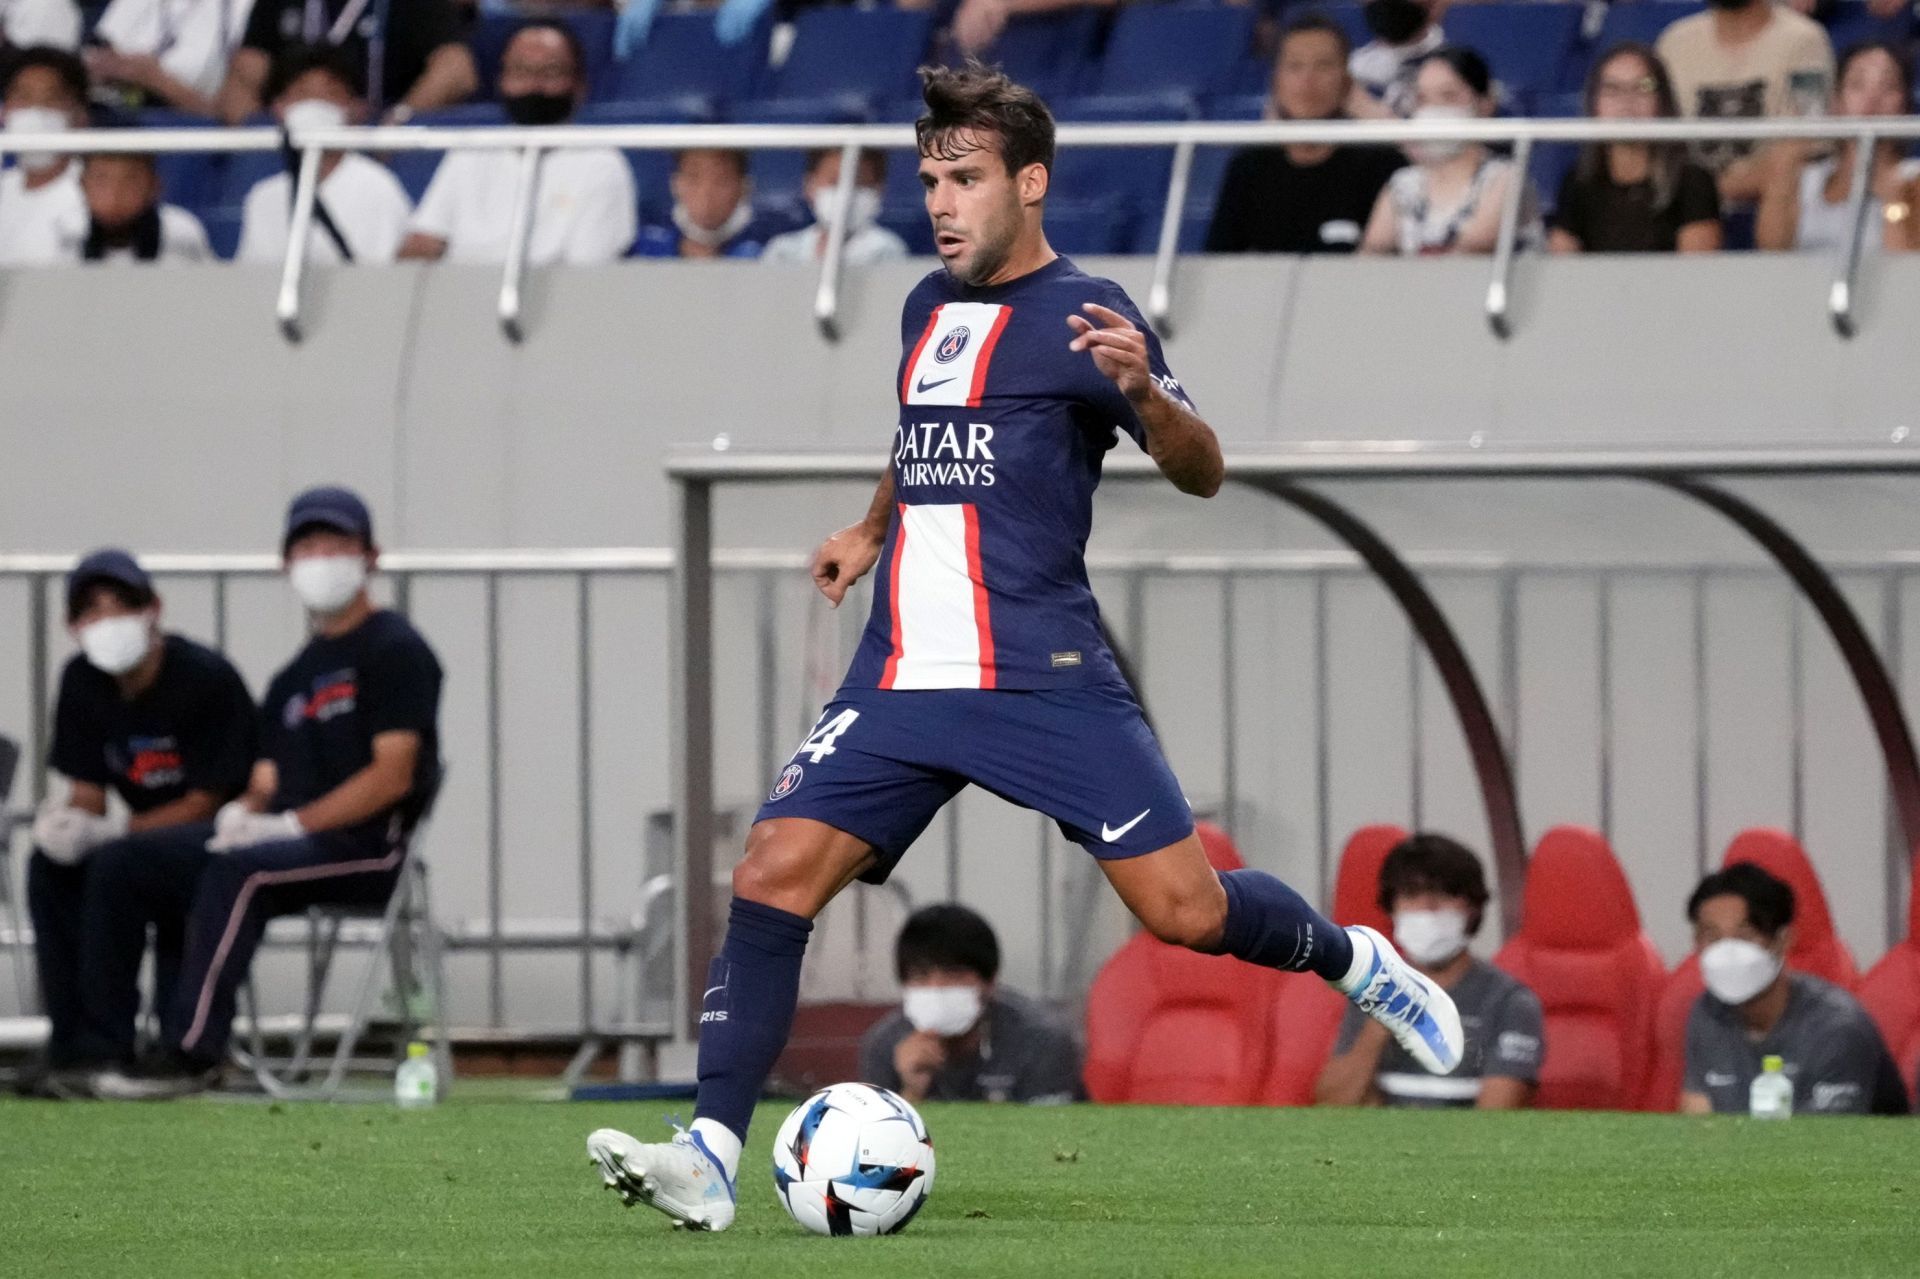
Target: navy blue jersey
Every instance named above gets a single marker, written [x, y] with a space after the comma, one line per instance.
[982, 582]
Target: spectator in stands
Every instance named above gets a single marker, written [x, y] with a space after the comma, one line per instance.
[867, 241]
[413, 52]
[1635, 197]
[1384, 68]
[978, 23]
[163, 723]
[713, 214]
[584, 207]
[1806, 201]
[1754, 1007]
[40, 198]
[126, 222]
[1437, 895]
[349, 753]
[1744, 59]
[959, 1035]
[1296, 199]
[167, 53]
[1448, 200]
[28, 24]
[361, 210]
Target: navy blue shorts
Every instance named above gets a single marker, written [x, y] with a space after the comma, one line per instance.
[880, 764]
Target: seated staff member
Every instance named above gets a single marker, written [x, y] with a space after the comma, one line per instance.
[349, 753]
[162, 722]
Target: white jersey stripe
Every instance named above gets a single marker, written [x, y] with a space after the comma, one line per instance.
[935, 602]
[956, 342]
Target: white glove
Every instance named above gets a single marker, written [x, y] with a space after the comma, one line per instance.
[66, 834]
[244, 829]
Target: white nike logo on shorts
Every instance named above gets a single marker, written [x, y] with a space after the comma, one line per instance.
[1109, 834]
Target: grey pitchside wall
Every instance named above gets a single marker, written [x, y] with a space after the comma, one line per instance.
[162, 409]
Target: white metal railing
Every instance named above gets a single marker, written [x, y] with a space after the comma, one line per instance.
[1182, 136]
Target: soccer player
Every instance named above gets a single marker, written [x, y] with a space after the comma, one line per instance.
[983, 660]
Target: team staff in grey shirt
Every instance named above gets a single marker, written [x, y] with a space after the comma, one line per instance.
[1754, 1008]
[1436, 892]
[959, 1036]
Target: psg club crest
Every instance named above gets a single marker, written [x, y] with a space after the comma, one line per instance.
[952, 344]
[789, 782]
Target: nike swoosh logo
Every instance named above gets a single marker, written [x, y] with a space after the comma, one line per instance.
[923, 386]
[1109, 834]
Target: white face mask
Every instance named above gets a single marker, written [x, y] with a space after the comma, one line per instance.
[118, 644]
[713, 237]
[327, 583]
[1736, 970]
[313, 113]
[38, 120]
[1430, 937]
[865, 207]
[1438, 152]
[943, 1010]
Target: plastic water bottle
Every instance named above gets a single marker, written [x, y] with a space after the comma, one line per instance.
[416, 1083]
[1770, 1096]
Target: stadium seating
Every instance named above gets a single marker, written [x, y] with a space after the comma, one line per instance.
[1598, 976]
[1056, 54]
[1306, 1016]
[1194, 49]
[1817, 949]
[1532, 48]
[594, 29]
[843, 64]
[1168, 1026]
[683, 66]
[1891, 993]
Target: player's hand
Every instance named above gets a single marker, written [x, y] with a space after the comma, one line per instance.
[1119, 350]
[916, 1059]
[844, 559]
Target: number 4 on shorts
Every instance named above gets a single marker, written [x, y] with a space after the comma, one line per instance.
[825, 734]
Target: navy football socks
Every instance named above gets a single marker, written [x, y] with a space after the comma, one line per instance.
[1271, 925]
[753, 986]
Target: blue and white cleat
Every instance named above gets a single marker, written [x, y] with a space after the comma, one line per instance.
[1420, 1016]
[680, 1177]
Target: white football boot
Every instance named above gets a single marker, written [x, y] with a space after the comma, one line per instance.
[681, 1177]
[1420, 1015]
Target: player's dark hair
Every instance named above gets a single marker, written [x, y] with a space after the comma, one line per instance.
[947, 935]
[80, 598]
[977, 99]
[297, 60]
[1769, 899]
[733, 155]
[1465, 63]
[566, 33]
[873, 162]
[72, 71]
[1315, 22]
[1428, 863]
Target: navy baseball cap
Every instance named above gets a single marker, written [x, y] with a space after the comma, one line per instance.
[329, 506]
[110, 564]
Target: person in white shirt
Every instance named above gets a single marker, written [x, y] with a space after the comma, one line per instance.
[167, 53]
[1404, 32]
[26, 23]
[40, 200]
[585, 209]
[866, 241]
[316, 87]
[126, 222]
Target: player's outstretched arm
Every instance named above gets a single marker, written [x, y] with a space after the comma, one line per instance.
[845, 558]
[1181, 444]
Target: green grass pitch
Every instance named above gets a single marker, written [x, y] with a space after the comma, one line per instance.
[504, 1188]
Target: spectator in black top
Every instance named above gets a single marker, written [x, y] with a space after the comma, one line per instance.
[164, 724]
[1300, 199]
[349, 754]
[1635, 197]
[418, 62]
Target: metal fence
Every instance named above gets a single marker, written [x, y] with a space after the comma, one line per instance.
[530, 143]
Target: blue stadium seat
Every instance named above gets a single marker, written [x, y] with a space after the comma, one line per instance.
[1641, 20]
[1850, 23]
[1531, 47]
[684, 65]
[243, 170]
[843, 63]
[1196, 49]
[223, 228]
[595, 30]
[1054, 54]
[1352, 19]
[190, 178]
[1086, 226]
[1132, 179]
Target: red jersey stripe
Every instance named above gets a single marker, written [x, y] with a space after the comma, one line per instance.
[986, 357]
[982, 615]
[906, 377]
[893, 587]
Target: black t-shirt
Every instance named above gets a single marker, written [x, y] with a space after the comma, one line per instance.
[1269, 204]
[193, 729]
[393, 37]
[1607, 217]
[323, 711]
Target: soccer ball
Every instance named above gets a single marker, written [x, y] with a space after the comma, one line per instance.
[853, 1160]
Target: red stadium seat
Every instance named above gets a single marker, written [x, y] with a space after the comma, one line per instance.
[1817, 949]
[1306, 1018]
[1581, 951]
[1891, 993]
[1168, 1026]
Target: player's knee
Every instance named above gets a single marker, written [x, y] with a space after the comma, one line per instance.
[775, 872]
[1195, 922]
